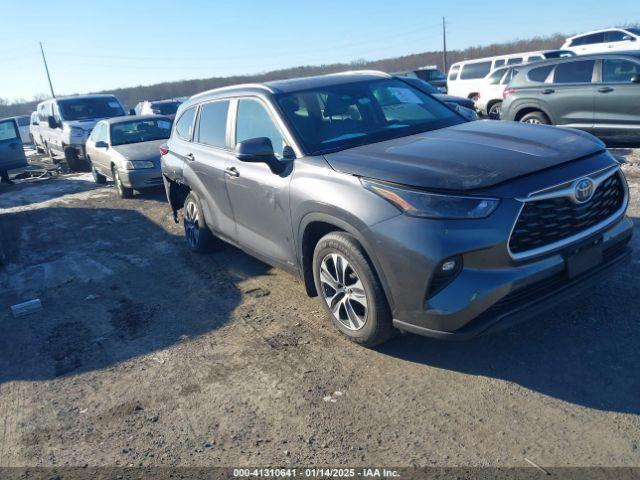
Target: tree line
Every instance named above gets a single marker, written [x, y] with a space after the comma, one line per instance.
[130, 96]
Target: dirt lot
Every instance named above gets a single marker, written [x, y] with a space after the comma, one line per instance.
[145, 354]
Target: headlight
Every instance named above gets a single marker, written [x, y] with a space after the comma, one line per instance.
[136, 164]
[76, 132]
[433, 205]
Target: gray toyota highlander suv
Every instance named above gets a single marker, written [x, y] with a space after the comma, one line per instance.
[393, 208]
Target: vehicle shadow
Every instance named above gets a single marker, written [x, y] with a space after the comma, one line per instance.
[585, 352]
[114, 285]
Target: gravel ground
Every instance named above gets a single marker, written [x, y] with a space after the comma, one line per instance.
[146, 354]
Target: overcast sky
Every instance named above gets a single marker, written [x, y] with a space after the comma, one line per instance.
[93, 46]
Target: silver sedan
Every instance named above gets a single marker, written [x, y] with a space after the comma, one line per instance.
[127, 150]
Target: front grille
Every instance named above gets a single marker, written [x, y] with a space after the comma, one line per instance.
[544, 222]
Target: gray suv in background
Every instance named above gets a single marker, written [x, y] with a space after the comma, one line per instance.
[391, 207]
[598, 93]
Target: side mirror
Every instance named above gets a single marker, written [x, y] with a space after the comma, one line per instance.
[635, 79]
[101, 144]
[52, 122]
[259, 150]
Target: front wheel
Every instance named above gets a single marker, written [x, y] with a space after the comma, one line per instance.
[97, 176]
[350, 290]
[494, 111]
[535, 118]
[123, 192]
[73, 161]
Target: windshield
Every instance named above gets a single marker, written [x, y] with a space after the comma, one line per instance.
[137, 131]
[90, 108]
[165, 108]
[337, 117]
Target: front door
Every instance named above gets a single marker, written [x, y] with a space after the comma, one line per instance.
[11, 152]
[617, 99]
[259, 197]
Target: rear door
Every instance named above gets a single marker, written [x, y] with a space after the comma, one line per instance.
[617, 99]
[570, 97]
[11, 152]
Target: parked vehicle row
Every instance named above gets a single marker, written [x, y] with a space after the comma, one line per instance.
[393, 208]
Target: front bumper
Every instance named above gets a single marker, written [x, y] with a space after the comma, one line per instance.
[142, 178]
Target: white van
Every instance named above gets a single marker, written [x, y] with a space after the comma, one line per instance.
[465, 78]
[65, 124]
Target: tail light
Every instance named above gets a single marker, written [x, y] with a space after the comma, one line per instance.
[164, 149]
[507, 92]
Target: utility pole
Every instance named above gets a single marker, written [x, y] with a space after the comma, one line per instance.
[444, 45]
[44, 59]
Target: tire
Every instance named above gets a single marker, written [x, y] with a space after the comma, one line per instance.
[97, 176]
[71, 156]
[494, 111]
[535, 118]
[198, 236]
[362, 313]
[123, 192]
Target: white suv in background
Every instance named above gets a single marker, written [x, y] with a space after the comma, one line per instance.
[489, 100]
[607, 40]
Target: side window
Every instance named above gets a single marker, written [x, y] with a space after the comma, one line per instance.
[614, 36]
[495, 77]
[594, 38]
[8, 130]
[56, 112]
[540, 74]
[95, 134]
[254, 121]
[453, 73]
[535, 58]
[498, 63]
[619, 71]
[576, 42]
[475, 70]
[184, 126]
[514, 61]
[574, 72]
[212, 126]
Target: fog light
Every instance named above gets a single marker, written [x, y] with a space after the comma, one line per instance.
[449, 266]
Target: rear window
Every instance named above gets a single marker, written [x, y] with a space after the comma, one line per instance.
[212, 127]
[453, 73]
[184, 126]
[574, 72]
[472, 71]
[498, 63]
[539, 74]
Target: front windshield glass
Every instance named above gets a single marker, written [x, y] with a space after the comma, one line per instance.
[343, 116]
[165, 108]
[137, 131]
[90, 108]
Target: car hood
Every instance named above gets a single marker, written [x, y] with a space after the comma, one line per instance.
[141, 151]
[468, 156]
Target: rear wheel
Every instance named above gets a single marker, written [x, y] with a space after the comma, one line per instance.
[350, 291]
[535, 118]
[199, 237]
[97, 176]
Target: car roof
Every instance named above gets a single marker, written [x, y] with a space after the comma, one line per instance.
[596, 31]
[131, 118]
[289, 85]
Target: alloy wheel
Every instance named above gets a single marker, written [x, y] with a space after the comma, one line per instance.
[343, 291]
[191, 224]
[533, 121]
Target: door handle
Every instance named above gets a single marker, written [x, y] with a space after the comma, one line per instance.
[605, 89]
[232, 172]
[190, 157]
[547, 91]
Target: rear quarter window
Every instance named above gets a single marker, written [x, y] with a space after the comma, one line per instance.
[539, 74]
[473, 71]
[184, 126]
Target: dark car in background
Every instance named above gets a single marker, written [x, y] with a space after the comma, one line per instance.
[166, 108]
[391, 207]
[599, 93]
